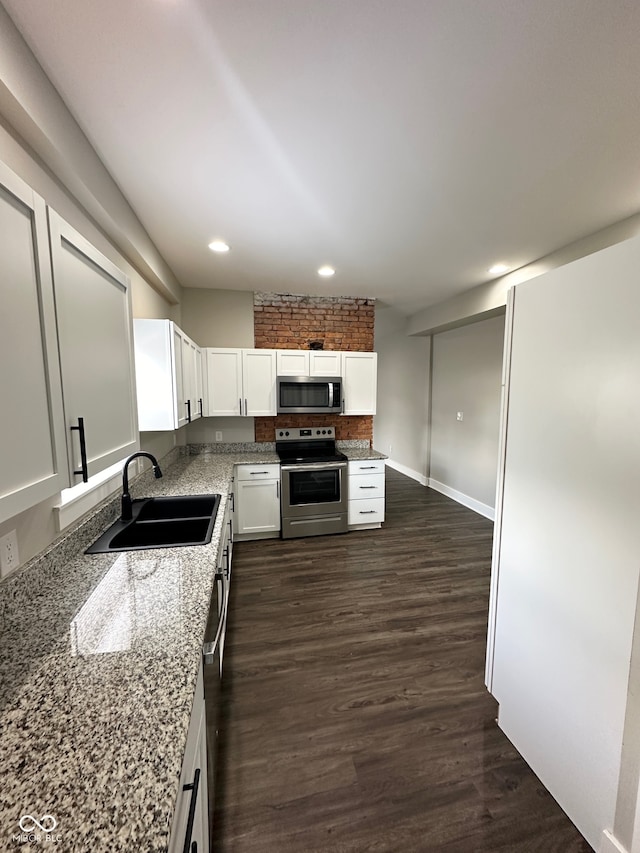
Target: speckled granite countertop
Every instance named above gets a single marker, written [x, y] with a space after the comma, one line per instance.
[98, 668]
[355, 454]
[97, 676]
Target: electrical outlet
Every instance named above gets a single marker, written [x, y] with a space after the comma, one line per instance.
[218, 435]
[390, 449]
[9, 558]
[459, 416]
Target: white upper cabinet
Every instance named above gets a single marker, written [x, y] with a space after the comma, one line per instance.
[168, 376]
[359, 375]
[259, 382]
[93, 309]
[323, 363]
[34, 460]
[223, 381]
[292, 362]
[300, 362]
[240, 382]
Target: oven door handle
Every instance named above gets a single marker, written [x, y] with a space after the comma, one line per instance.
[314, 466]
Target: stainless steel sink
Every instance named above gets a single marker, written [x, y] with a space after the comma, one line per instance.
[162, 522]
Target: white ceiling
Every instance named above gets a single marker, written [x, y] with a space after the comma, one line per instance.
[409, 143]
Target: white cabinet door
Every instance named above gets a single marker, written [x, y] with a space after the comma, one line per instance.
[258, 506]
[359, 374]
[257, 499]
[191, 381]
[194, 762]
[292, 362]
[325, 363]
[223, 382]
[93, 309]
[199, 400]
[34, 460]
[181, 369]
[259, 382]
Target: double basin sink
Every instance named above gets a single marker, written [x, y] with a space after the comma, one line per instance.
[162, 522]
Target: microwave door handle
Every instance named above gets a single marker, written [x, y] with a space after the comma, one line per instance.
[330, 400]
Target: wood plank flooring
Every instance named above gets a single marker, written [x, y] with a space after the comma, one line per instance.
[354, 710]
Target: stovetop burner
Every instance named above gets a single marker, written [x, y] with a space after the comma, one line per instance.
[308, 445]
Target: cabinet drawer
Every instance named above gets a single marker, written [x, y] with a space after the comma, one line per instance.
[363, 486]
[258, 472]
[366, 466]
[367, 511]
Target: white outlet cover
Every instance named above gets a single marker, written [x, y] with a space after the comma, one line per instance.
[9, 557]
[459, 416]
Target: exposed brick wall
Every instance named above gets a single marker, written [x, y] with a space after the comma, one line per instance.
[286, 321]
[347, 426]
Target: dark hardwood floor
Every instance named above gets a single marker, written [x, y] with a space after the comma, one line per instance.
[355, 714]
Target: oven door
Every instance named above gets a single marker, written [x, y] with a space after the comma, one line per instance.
[313, 489]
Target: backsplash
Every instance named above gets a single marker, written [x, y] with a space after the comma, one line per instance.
[347, 427]
[287, 321]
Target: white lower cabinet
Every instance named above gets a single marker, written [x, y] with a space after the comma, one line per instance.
[257, 501]
[192, 792]
[366, 493]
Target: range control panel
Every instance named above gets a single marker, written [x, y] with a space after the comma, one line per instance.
[293, 434]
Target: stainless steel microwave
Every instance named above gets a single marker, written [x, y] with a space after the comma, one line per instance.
[309, 395]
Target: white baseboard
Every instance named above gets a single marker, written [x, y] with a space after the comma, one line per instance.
[471, 503]
[408, 472]
[610, 844]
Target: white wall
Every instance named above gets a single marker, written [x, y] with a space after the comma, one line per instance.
[485, 300]
[33, 111]
[218, 318]
[400, 427]
[466, 377]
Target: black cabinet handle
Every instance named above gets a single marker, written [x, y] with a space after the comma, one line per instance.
[193, 787]
[201, 411]
[188, 405]
[84, 470]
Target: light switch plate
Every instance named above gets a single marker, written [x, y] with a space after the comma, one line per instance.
[459, 416]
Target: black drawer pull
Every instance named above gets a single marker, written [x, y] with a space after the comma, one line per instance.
[83, 451]
[193, 787]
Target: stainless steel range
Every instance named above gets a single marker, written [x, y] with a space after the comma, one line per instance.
[313, 497]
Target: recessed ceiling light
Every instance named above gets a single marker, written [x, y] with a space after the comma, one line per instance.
[326, 271]
[219, 246]
[497, 269]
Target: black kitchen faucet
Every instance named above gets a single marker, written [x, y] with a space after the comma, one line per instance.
[126, 514]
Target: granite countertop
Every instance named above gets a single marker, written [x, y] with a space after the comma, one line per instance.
[355, 454]
[100, 655]
[97, 676]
